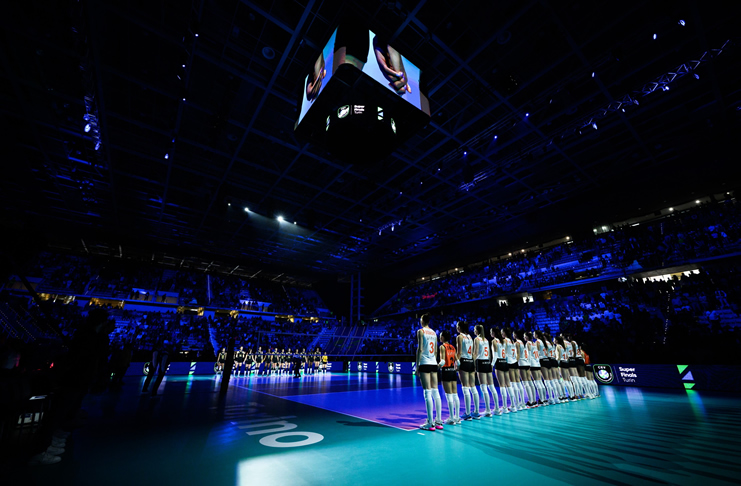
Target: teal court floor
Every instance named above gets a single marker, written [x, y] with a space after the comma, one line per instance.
[361, 429]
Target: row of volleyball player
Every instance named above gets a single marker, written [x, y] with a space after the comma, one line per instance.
[532, 369]
[274, 361]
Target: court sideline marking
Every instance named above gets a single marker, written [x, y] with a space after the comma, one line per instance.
[322, 408]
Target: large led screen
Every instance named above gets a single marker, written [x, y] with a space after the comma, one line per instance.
[370, 54]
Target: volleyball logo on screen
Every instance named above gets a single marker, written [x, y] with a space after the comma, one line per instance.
[604, 373]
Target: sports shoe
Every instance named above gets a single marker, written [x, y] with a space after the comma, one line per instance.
[44, 458]
[427, 426]
[58, 442]
[439, 425]
[55, 451]
[476, 416]
[467, 417]
[487, 413]
[450, 421]
[505, 410]
[457, 421]
[498, 412]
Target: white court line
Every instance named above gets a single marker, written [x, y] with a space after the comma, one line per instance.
[328, 409]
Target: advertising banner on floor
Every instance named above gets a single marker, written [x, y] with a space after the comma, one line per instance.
[689, 377]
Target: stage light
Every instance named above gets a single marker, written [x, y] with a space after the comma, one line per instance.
[196, 35]
[294, 222]
[594, 125]
[183, 99]
[510, 254]
[671, 209]
[228, 204]
[465, 152]
[697, 76]
[496, 137]
[87, 128]
[183, 65]
[568, 238]
[654, 36]
[697, 202]
[682, 23]
[167, 156]
[280, 218]
[635, 102]
[97, 145]
[392, 227]
[246, 209]
[592, 73]
[527, 115]
[623, 110]
[400, 193]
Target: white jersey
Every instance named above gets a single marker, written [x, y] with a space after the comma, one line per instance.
[577, 353]
[524, 355]
[497, 350]
[429, 345]
[467, 347]
[564, 355]
[534, 355]
[542, 352]
[551, 351]
[569, 349]
[483, 351]
[509, 349]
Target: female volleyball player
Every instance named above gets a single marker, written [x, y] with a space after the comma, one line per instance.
[221, 360]
[589, 371]
[563, 364]
[555, 370]
[324, 362]
[483, 369]
[510, 351]
[581, 372]
[500, 368]
[427, 371]
[450, 380]
[542, 346]
[466, 369]
[573, 374]
[523, 363]
[317, 361]
[535, 369]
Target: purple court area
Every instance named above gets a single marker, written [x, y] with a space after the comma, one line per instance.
[388, 399]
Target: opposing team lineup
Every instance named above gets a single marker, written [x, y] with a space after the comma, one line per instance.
[274, 362]
[532, 370]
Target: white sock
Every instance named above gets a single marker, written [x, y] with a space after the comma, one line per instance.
[476, 398]
[438, 404]
[467, 400]
[429, 406]
[519, 392]
[457, 406]
[541, 391]
[495, 396]
[559, 388]
[485, 392]
[506, 392]
[449, 401]
[551, 389]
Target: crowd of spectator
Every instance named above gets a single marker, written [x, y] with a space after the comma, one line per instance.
[706, 231]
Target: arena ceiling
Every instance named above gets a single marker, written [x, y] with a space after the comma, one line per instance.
[194, 105]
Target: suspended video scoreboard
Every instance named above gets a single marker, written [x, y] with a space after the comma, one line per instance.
[362, 98]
